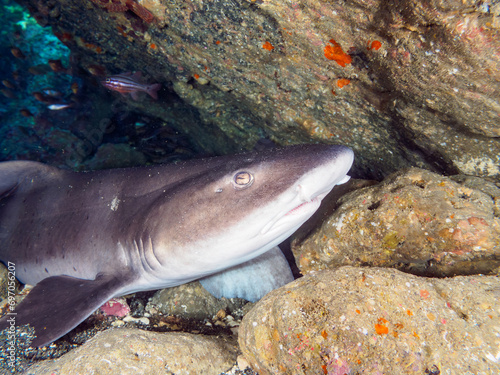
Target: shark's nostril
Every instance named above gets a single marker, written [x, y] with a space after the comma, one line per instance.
[301, 193]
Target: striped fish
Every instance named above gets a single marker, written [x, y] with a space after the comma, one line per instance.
[128, 83]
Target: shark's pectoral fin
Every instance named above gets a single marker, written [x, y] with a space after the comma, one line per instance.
[253, 279]
[58, 304]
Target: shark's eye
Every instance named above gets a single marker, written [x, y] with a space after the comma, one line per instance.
[242, 180]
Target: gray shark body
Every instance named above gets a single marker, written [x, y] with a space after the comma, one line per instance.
[83, 238]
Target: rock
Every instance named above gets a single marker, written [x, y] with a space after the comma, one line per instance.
[483, 185]
[403, 84]
[375, 321]
[192, 301]
[130, 351]
[4, 281]
[416, 221]
[9, 286]
[111, 155]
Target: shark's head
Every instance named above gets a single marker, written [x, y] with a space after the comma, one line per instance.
[232, 209]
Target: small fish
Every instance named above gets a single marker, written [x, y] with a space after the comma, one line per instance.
[75, 87]
[58, 107]
[51, 92]
[40, 97]
[16, 52]
[26, 112]
[8, 84]
[38, 70]
[57, 66]
[8, 94]
[97, 70]
[126, 83]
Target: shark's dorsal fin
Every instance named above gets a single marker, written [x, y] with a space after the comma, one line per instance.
[58, 304]
[251, 280]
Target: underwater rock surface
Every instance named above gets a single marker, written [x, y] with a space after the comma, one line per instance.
[416, 221]
[375, 321]
[191, 301]
[127, 351]
[403, 84]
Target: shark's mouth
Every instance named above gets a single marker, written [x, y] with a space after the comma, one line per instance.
[302, 207]
[294, 217]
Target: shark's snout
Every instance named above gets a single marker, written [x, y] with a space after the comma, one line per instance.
[332, 171]
[328, 169]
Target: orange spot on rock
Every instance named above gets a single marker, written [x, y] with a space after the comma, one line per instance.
[268, 46]
[409, 312]
[325, 371]
[381, 329]
[424, 293]
[343, 82]
[335, 52]
[375, 45]
[92, 46]
[358, 312]
[324, 334]
[217, 42]
[196, 76]
[152, 46]
[276, 335]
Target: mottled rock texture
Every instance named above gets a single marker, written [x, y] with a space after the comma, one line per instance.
[415, 220]
[375, 321]
[405, 83]
[115, 156]
[4, 282]
[192, 301]
[128, 351]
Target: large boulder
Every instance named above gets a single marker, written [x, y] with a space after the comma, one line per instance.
[132, 351]
[375, 321]
[415, 220]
